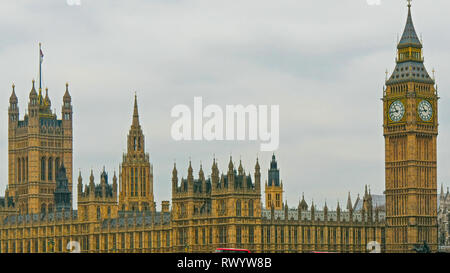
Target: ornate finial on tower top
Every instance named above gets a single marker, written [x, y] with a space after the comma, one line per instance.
[409, 3]
[135, 112]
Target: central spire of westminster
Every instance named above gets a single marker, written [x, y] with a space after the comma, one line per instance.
[135, 123]
[136, 172]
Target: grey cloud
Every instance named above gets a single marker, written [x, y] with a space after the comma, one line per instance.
[323, 62]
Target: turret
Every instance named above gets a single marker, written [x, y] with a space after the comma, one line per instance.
[240, 168]
[91, 184]
[80, 185]
[33, 106]
[13, 110]
[325, 212]
[174, 179]
[257, 177]
[338, 212]
[286, 211]
[302, 206]
[67, 108]
[350, 208]
[214, 175]
[103, 181]
[190, 178]
[47, 100]
[115, 184]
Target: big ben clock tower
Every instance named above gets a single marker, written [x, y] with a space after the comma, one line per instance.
[410, 105]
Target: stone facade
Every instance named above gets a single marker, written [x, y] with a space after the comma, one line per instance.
[224, 210]
[444, 218]
[410, 103]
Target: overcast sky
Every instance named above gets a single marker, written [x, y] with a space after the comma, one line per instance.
[323, 62]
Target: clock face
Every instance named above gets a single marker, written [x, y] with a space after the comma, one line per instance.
[396, 111]
[425, 110]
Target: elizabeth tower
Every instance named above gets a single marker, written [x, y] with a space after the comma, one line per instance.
[410, 130]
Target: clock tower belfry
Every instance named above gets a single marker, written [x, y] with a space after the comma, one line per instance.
[410, 103]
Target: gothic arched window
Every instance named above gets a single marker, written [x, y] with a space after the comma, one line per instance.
[250, 208]
[50, 169]
[23, 169]
[238, 208]
[19, 170]
[43, 168]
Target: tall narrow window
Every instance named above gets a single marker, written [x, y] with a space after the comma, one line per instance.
[23, 169]
[250, 208]
[132, 182]
[238, 208]
[26, 168]
[136, 181]
[238, 235]
[251, 235]
[43, 168]
[50, 169]
[19, 170]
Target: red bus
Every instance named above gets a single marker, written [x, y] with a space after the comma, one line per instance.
[231, 250]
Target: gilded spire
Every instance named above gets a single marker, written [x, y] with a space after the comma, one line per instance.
[47, 101]
[33, 90]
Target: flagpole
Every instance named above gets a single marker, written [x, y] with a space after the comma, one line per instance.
[40, 64]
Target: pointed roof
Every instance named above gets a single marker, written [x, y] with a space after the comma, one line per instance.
[409, 37]
[47, 100]
[33, 91]
[230, 164]
[174, 171]
[135, 112]
[240, 169]
[257, 167]
[273, 163]
[349, 202]
[201, 174]
[410, 69]
[13, 97]
[66, 94]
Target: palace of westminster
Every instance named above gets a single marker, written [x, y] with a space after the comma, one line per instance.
[224, 210]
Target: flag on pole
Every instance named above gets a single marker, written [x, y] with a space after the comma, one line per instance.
[41, 56]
